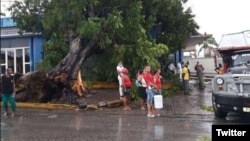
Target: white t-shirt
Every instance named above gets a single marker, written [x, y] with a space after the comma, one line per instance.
[143, 82]
[119, 68]
[179, 66]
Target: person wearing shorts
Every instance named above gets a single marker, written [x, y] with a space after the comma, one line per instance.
[150, 95]
[126, 85]
[142, 89]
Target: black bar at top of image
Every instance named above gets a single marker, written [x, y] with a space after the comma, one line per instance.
[235, 132]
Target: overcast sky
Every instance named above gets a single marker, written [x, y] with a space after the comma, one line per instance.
[220, 17]
[215, 17]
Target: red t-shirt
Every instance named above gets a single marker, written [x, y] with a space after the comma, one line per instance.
[157, 81]
[127, 81]
[148, 78]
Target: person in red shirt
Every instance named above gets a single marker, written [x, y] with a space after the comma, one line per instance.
[126, 85]
[157, 80]
[150, 94]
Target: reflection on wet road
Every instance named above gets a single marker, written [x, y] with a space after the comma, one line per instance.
[181, 119]
[94, 125]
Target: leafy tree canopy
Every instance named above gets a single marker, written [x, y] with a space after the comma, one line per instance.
[116, 29]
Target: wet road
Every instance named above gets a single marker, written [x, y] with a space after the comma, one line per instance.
[42, 125]
[182, 119]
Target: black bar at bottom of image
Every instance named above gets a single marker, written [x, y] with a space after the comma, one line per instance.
[235, 132]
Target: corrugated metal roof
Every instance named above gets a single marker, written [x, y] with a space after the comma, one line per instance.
[9, 31]
[235, 40]
[13, 32]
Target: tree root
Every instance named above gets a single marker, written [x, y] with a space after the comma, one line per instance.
[78, 87]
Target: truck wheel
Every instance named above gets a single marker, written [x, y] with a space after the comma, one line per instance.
[217, 112]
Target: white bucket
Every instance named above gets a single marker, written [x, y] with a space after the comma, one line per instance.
[158, 101]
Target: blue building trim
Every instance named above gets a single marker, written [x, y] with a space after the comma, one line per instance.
[178, 56]
[153, 34]
[176, 59]
[37, 50]
[32, 68]
[35, 41]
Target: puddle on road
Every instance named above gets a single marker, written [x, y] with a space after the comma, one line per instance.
[6, 125]
[5, 129]
[159, 132]
[52, 116]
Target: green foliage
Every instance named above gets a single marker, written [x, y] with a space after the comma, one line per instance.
[203, 138]
[135, 48]
[175, 82]
[90, 27]
[89, 84]
[27, 14]
[55, 50]
[134, 91]
[42, 66]
[2, 14]
[173, 24]
[118, 30]
[207, 108]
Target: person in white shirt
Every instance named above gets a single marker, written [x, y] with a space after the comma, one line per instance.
[179, 66]
[142, 86]
[119, 69]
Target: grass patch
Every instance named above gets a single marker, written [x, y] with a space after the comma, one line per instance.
[203, 138]
[207, 108]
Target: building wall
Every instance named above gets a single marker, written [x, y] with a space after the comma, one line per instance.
[12, 41]
[208, 64]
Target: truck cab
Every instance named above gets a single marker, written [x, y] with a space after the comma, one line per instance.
[231, 90]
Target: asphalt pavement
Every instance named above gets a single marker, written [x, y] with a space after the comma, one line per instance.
[183, 118]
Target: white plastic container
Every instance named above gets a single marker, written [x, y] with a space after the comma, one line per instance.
[158, 101]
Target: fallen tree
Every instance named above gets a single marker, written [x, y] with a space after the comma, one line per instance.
[75, 31]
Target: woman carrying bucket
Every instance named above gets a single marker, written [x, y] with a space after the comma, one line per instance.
[157, 80]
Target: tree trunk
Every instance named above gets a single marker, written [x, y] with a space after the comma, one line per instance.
[74, 59]
[58, 84]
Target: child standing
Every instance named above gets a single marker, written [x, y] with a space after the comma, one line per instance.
[126, 85]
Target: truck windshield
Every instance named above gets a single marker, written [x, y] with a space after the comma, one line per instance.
[241, 59]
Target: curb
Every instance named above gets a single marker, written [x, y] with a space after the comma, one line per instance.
[50, 106]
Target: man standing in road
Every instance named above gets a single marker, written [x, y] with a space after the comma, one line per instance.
[196, 67]
[200, 75]
[185, 76]
[8, 92]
